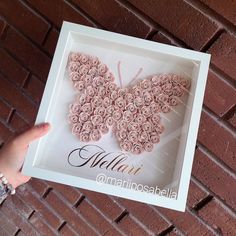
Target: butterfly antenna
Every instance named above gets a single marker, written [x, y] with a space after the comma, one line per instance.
[119, 73]
[138, 73]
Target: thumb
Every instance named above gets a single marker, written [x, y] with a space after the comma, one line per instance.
[32, 134]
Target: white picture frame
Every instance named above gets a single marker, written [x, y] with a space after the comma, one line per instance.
[45, 158]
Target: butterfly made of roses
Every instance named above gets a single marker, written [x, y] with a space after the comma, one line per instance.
[132, 112]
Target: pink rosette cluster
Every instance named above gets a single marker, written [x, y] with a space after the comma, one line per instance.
[133, 112]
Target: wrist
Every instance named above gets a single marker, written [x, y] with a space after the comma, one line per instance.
[9, 175]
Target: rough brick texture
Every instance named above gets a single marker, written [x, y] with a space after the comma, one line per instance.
[225, 10]
[184, 25]
[29, 22]
[29, 31]
[205, 169]
[224, 55]
[120, 20]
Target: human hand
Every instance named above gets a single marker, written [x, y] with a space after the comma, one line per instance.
[12, 154]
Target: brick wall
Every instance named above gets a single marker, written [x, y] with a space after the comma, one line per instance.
[29, 31]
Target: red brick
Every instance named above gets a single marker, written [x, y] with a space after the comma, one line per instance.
[145, 214]
[28, 54]
[40, 186]
[34, 88]
[104, 203]
[218, 217]
[3, 232]
[23, 18]
[7, 225]
[67, 231]
[114, 17]
[18, 124]
[95, 218]
[223, 54]
[2, 26]
[215, 178]
[40, 207]
[68, 192]
[217, 139]
[20, 102]
[20, 221]
[226, 10]
[180, 19]
[5, 110]
[40, 225]
[51, 41]
[195, 194]
[187, 222]
[219, 96]
[160, 38]
[59, 11]
[11, 69]
[232, 119]
[69, 214]
[173, 233]
[5, 133]
[24, 209]
[20, 233]
[131, 227]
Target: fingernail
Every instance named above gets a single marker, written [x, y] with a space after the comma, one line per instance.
[43, 125]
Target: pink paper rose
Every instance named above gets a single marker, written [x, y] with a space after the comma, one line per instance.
[128, 116]
[83, 69]
[147, 126]
[103, 128]
[73, 118]
[148, 146]
[74, 76]
[83, 116]
[165, 108]
[109, 77]
[101, 111]
[79, 85]
[117, 114]
[102, 69]
[87, 127]
[120, 102]
[137, 148]
[87, 108]
[95, 135]
[133, 136]
[109, 121]
[74, 108]
[93, 71]
[131, 107]
[74, 57]
[125, 145]
[84, 137]
[96, 120]
[76, 128]
[73, 66]
[84, 58]
[155, 138]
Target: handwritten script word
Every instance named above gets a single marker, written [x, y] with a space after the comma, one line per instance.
[96, 157]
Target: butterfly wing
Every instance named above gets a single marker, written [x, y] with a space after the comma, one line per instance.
[139, 127]
[91, 113]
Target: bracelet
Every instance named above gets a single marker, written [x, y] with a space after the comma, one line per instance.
[7, 185]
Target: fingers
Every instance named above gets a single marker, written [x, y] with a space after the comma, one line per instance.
[32, 134]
